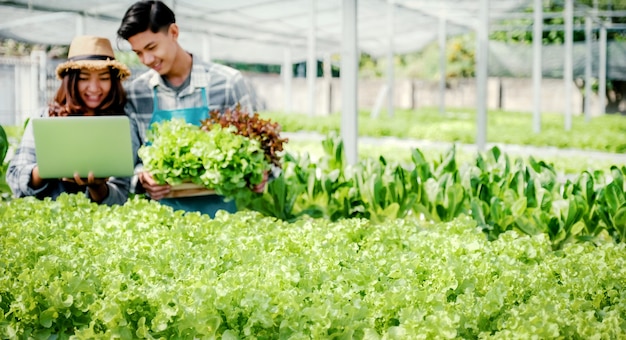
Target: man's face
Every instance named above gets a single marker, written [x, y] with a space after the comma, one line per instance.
[156, 50]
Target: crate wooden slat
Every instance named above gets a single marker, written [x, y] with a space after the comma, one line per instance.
[188, 190]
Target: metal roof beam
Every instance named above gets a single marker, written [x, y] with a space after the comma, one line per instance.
[37, 19]
[107, 8]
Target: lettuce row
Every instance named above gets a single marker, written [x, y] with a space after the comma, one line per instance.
[73, 268]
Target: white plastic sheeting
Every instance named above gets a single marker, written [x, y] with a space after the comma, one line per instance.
[265, 31]
[254, 30]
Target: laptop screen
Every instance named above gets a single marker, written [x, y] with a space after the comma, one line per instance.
[68, 145]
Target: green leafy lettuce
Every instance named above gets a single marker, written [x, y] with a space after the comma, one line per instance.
[217, 158]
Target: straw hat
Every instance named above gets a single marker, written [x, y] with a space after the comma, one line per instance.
[91, 53]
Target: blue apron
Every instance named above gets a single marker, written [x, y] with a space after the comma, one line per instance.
[208, 204]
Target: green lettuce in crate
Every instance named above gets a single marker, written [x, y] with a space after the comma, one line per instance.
[215, 158]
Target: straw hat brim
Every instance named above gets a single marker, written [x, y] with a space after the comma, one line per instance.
[93, 65]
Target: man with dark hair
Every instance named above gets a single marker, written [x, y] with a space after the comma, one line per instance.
[177, 85]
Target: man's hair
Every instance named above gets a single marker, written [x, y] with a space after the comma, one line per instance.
[145, 15]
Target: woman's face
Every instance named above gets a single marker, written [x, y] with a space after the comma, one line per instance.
[93, 87]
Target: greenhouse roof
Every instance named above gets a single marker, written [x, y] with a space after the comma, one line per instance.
[256, 30]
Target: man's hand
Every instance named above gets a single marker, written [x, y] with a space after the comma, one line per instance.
[261, 186]
[155, 190]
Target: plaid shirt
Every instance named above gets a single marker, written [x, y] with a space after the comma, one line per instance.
[225, 88]
[24, 160]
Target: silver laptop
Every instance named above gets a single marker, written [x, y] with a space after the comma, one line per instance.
[68, 145]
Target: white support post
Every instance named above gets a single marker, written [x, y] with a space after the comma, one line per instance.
[328, 78]
[537, 64]
[43, 77]
[442, 61]
[349, 69]
[390, 53]
[382, 94]
[482, 55]
[34, 93]
[588, 59]
[206, 47]
[80, 25]
[602, 72]
[287, 73]
[311, 64]
[568, 69]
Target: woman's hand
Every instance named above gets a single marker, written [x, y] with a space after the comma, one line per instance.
[155, 190]
[36, 181]
[98, 188]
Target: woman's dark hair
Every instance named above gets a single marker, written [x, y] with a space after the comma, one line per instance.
[67, 101]
[145, 15]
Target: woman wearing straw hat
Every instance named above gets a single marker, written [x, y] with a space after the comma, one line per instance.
[91, 85]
